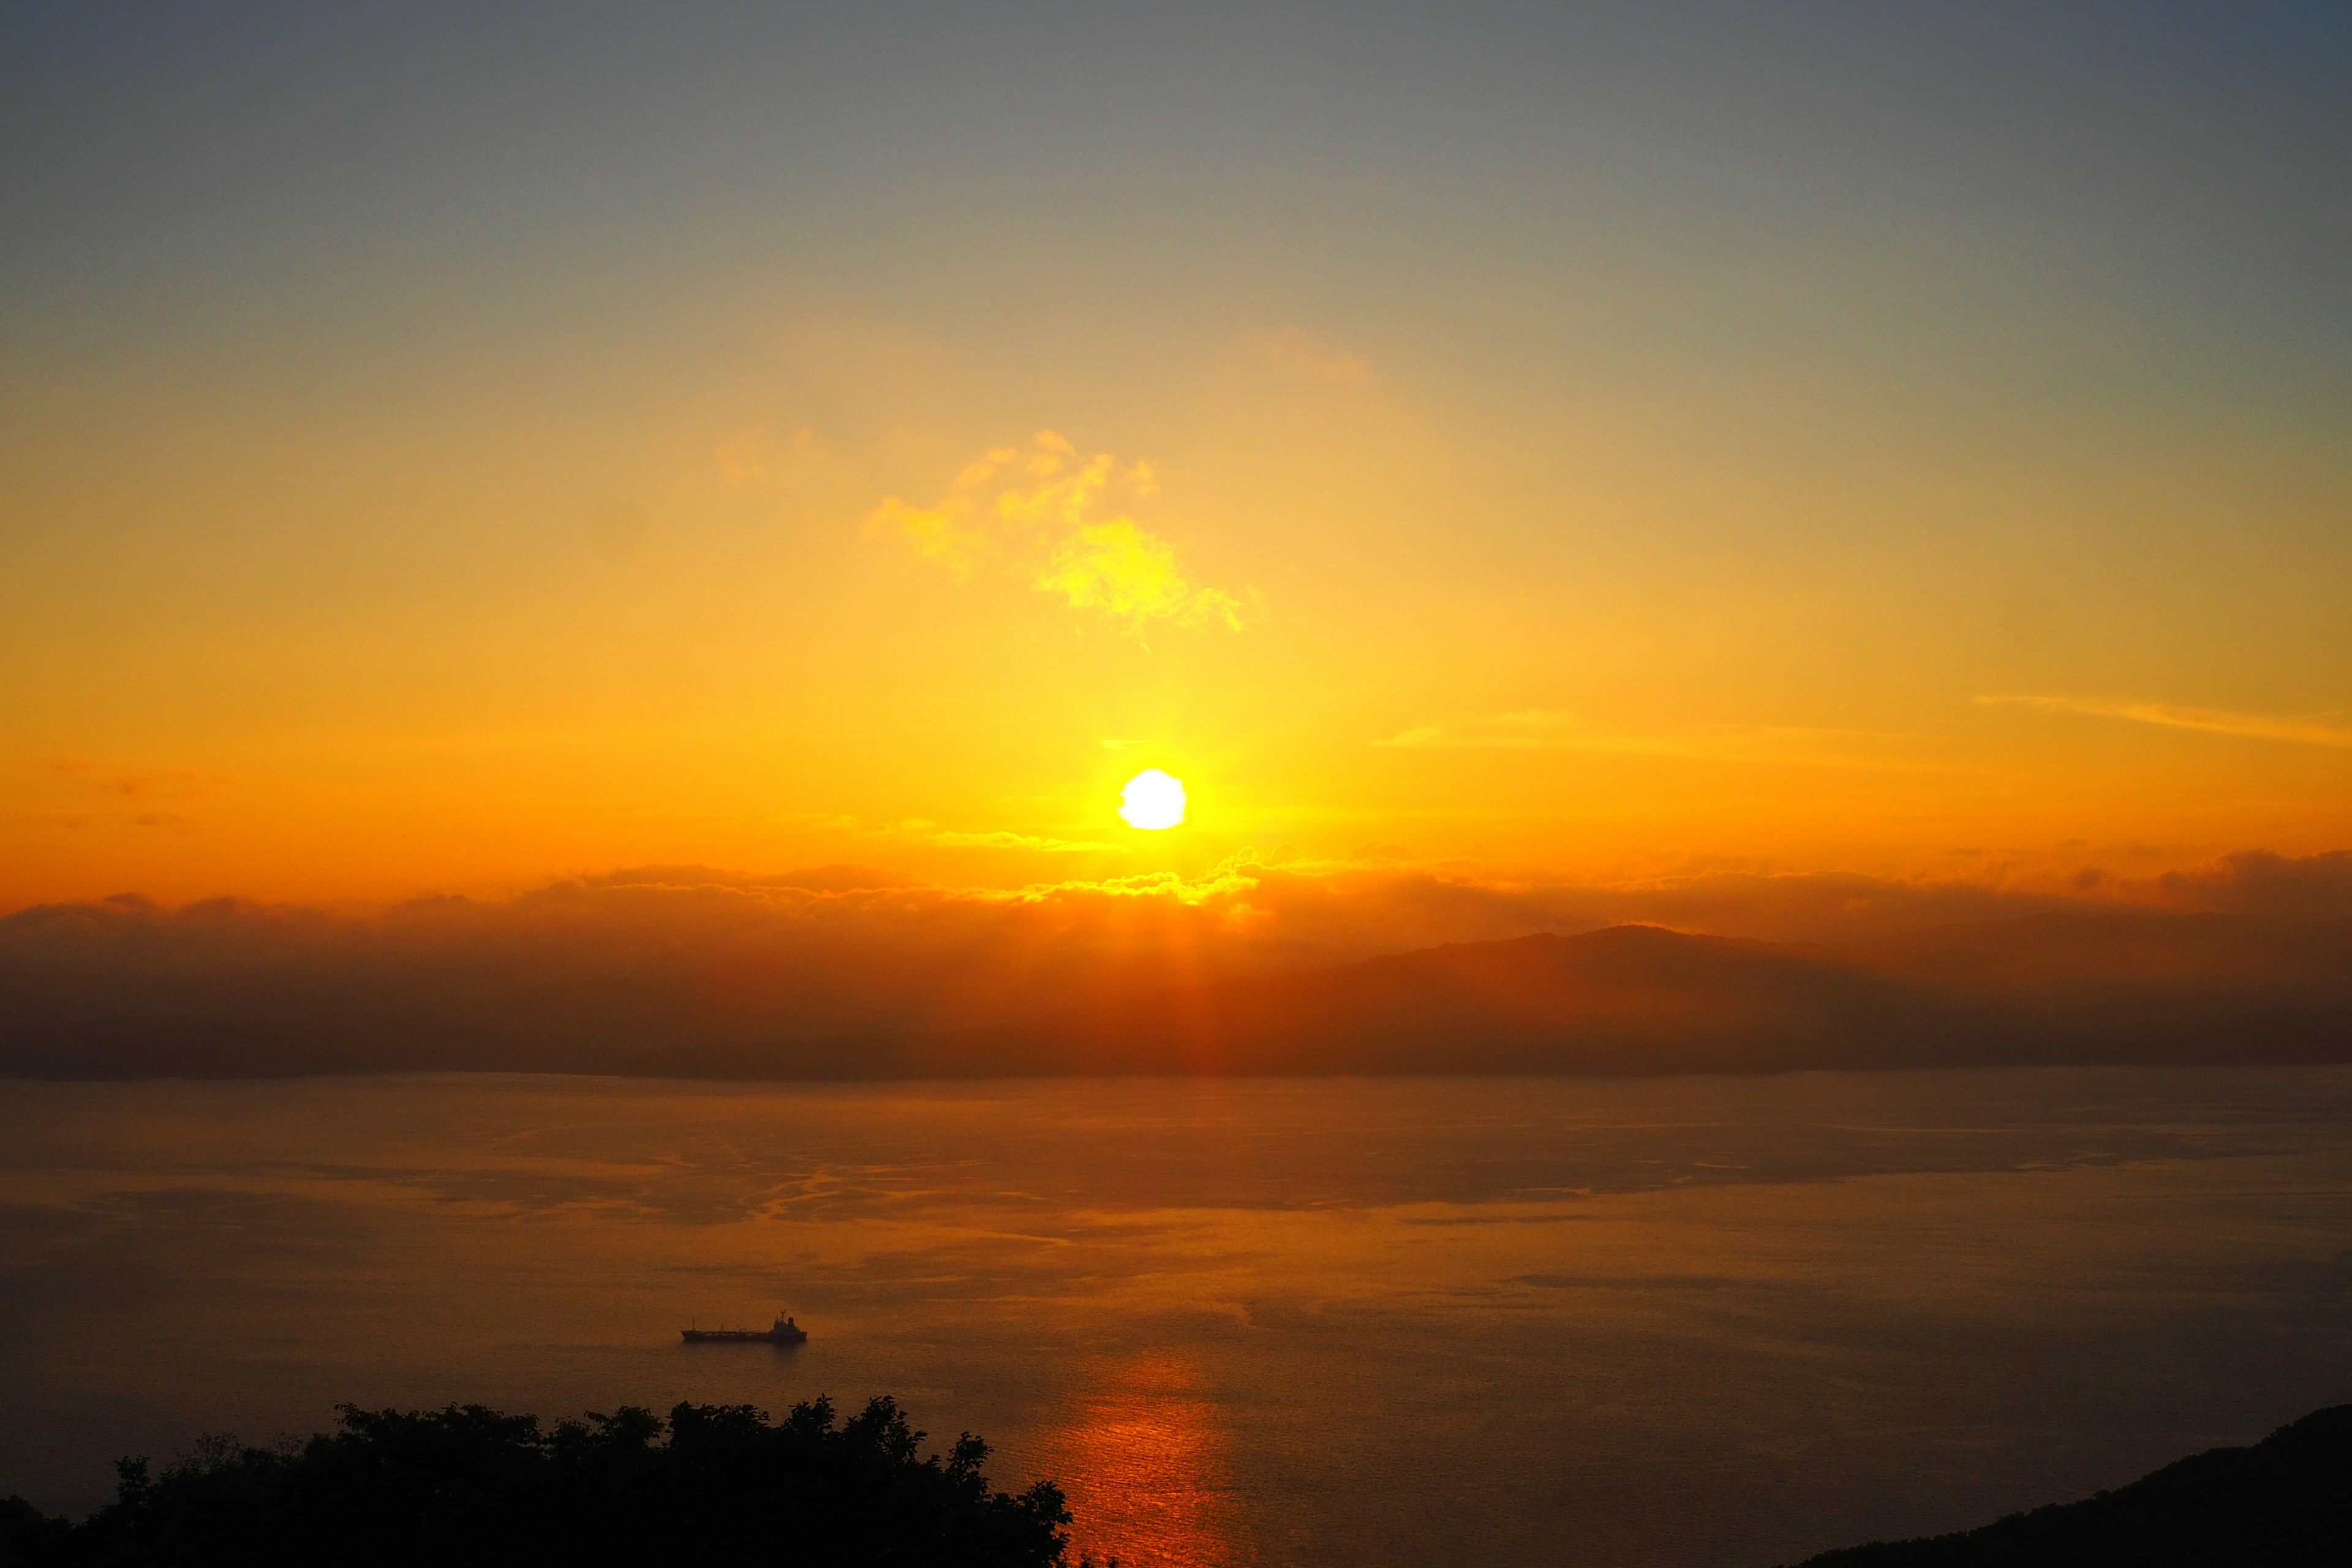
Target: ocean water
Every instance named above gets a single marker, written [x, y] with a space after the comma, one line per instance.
[1685, 1322]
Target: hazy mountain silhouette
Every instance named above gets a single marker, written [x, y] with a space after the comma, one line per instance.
[2283, 1503]
[87, 994]
[1636, 999]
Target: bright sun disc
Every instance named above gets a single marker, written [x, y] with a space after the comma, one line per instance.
[1152, 799]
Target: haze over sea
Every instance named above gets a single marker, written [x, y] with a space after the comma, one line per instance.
[1382, 1322]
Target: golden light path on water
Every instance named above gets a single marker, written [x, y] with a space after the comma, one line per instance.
[1144, 1462]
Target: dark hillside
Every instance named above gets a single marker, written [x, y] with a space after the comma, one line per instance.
[2283, 1503]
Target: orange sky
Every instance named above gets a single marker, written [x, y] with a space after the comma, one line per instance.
[770, 500]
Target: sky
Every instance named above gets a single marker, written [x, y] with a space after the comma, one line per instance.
[452, 450]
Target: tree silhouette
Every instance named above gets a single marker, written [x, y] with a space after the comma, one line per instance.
[718, 1483]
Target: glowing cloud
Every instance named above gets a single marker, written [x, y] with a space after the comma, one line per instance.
[1038, 510]
[1131, 576]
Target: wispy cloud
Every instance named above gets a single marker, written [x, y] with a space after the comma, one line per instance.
[1050, 513]
[100, 794]
[923, 830]
[942, 532]
[131, 783]
[1550, 730]
[1294, 350]
[1528, 728]
[2314, 731]
[1003, 841]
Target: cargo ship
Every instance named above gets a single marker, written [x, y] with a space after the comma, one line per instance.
[784, 1332]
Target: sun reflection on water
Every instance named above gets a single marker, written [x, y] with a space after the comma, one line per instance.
[1143, 1460]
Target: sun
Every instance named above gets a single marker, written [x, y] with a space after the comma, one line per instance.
[1152, 799]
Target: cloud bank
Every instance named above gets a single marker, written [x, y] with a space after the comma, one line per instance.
[655, 968]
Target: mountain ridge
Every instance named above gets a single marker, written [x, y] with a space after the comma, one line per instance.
[1641, 999]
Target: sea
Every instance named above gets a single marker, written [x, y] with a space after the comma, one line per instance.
[1387, 1321]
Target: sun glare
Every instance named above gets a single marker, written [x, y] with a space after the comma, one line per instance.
[1152, 799]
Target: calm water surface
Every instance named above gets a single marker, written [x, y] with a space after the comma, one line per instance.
[1690, 1321]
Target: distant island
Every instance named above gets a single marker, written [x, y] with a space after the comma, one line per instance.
[128, 990]
[715, 1483]
[2283, 1503]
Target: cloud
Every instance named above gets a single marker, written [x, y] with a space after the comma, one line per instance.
[2323, 731]
[137, 797]
[1047, 512]
[832, 879]
[1548, 730]
[1528, 728]
[88, 777]
[2256, 881]
[923, 830]
[1294, 350]
[938, 533]
[1131, 576]
[1003, 841]
[648, 968]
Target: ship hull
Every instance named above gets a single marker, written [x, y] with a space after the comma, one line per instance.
[743, 1336]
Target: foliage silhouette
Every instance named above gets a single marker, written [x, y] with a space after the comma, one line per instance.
[2285, 1502]
[470, 1485]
